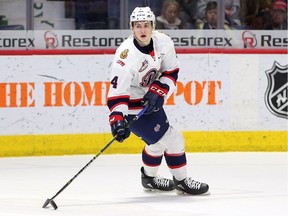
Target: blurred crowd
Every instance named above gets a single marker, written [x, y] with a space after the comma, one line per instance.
[187, 14]
[179, 14]
[237, 14]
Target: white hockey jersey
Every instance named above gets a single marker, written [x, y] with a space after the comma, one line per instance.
[133, 71]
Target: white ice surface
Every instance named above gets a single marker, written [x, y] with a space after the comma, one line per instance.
[241, 184]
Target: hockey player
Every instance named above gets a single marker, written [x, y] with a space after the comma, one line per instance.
[144, 71]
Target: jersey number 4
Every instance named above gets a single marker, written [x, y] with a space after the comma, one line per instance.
[114, 82]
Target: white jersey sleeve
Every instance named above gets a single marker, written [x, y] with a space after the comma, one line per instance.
[121, 78]
[170, 64]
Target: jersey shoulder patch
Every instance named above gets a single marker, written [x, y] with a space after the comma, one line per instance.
[124, 54]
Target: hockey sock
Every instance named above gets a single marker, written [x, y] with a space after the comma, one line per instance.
[177, 165]
[151, 163]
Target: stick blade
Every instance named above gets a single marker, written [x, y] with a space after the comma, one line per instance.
[46, 203]
[53, 204]
[50, 201]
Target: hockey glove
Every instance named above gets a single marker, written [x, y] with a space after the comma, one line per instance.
[154, 98]
[119, 126]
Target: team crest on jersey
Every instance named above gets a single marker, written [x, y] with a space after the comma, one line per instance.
[124, 54]
[276, 95]
[144, 65]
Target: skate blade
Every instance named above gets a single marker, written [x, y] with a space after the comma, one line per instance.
[151, 190]
[180, 192]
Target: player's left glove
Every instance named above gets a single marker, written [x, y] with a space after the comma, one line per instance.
[119, 126]
[155, 96]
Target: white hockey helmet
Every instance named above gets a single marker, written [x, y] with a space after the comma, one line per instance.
[142, 14]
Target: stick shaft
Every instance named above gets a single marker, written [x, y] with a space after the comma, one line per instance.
[98, 154]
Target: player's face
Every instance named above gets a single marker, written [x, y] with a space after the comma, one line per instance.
[143, 32]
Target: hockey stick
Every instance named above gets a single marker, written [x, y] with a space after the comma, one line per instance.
[51, 200]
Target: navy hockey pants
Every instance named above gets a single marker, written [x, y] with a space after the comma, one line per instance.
[150, 127]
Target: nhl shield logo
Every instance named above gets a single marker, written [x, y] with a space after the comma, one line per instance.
[276, 95]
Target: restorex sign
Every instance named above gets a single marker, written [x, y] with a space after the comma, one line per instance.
[111, 39]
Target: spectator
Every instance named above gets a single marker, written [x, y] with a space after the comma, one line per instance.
[260, 21]
[188, 13]
[278, 16]
[211, 17]
[232, 12]
[169, 16]
[251, 9]
[201, 9]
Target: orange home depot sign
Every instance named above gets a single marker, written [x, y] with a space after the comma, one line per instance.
[72, 94]
[194, 91]
[17, 94]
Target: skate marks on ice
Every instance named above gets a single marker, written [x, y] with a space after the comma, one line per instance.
[141, 204]
[170, 198]
[218, 194]
[240, 185]
[225, 202]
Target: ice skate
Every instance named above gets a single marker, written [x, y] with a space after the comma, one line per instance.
[156, 183]
[190, 186]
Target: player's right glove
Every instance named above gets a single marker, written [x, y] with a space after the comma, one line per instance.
[155, 96]
[119, 126]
